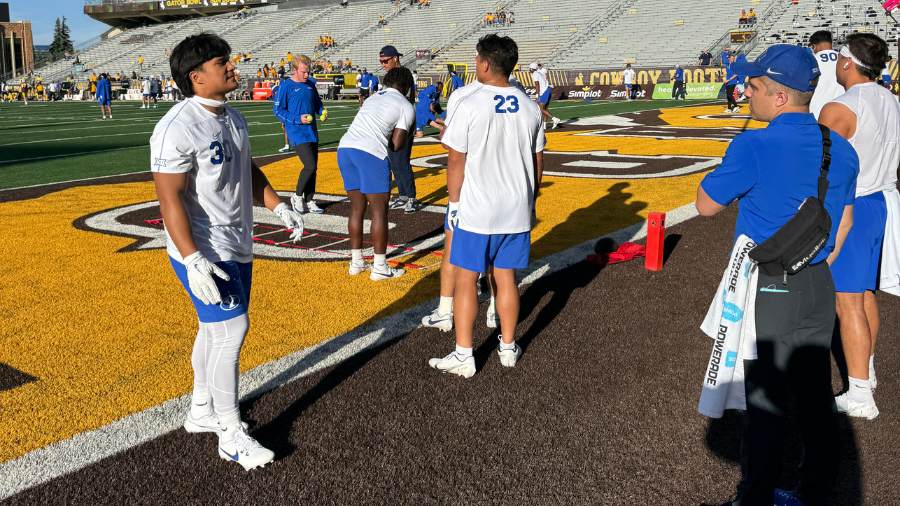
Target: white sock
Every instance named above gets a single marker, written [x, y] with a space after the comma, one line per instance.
[465, 352]
[860, 390]
[504, 346]
[445, 306]
[356, 255]
[381, 261]
[492, 305]
[225, 340]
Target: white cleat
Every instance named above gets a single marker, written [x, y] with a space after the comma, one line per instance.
[508, 358]
[244, 450]
[727, 110]
[382, 272]
[314, 208]
[436, 320]
[454, 364]
[867, 410]
[356, 268]
[298, 204]
[490, 318]
[285, 149]
[205, 423]
[555, 123]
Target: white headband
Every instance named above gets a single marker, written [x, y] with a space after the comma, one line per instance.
[846, 53]
[209, 102]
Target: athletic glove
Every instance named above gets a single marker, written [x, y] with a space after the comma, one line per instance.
[291, 219]
[324, 115]
[453, 215]
[200, 273]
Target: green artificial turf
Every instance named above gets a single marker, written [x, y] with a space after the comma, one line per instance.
[45, 143]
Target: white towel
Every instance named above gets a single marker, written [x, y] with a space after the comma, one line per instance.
[731, 323]
[890, 248]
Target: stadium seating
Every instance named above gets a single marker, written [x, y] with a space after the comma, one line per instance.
[560, 33]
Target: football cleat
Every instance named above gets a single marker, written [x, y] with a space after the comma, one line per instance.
[436, 320]
[508, 358]
[314, 208]
[411, 206]
[555, 123]
[356, 268]
[867, 410]
[285, 149]
[398, 203]
[240, 447]
[382, 272]
[298, 204]
[454, 363]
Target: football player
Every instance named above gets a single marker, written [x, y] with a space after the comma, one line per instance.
[383, 123]
[495, 143]
[206, 183]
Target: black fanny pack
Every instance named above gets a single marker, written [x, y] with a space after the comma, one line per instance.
[798, 241]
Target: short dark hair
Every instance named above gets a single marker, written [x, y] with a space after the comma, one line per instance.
[193, 52]
[820, 37]
[871, 50]
[501, 52]
[399, 78]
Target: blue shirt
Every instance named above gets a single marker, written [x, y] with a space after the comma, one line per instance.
[427, 96]
[679, 74]
[740, 79]
[293, 100]
[364, 81]
[104, 89]
[456, 82]
[373, 82]
[773, 169]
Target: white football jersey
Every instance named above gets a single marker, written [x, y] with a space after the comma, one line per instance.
[379, 115]
[499, 129]
[539, 76]
[828, 88]
[877, 136]
[214, 151]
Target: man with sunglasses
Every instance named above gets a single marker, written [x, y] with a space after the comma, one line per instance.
[389, 58]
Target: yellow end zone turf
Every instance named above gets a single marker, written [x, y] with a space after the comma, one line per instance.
[109, 333]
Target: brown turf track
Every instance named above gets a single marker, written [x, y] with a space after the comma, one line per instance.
[600, 410]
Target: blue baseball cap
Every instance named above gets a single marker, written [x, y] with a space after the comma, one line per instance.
[792, 66]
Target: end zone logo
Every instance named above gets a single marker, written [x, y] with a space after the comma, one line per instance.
[324, 238]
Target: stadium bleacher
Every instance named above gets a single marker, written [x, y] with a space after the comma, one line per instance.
[560, 33]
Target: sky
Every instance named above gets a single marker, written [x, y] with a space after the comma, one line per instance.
[43, 14]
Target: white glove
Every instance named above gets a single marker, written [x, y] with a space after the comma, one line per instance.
[291, 219]
[453, 215]
[200, 278]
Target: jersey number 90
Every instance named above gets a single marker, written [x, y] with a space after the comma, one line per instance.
[511, 104]
[219, 152]
[825, 57]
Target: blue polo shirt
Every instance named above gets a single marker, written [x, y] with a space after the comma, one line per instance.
[292, 101]
[679, 74]
[772, 170]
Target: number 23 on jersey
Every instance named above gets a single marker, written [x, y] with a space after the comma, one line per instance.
[509, 104]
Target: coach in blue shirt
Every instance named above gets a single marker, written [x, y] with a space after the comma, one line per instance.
[678, 83]
[297, 105]
[769, 172]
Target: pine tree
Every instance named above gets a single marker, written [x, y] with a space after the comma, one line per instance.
[56, 50]
[62, 40]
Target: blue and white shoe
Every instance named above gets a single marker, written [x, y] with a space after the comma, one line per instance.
[382, 272]
[454, 363]
[436, 320]
[508, 358]
[238, 446]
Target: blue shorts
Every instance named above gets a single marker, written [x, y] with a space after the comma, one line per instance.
[477, 252]
[545, 96]
[235, 292]
[103, 100]
[856, 268]
[364, 171]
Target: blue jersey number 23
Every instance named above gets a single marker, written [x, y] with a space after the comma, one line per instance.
[511, 103]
